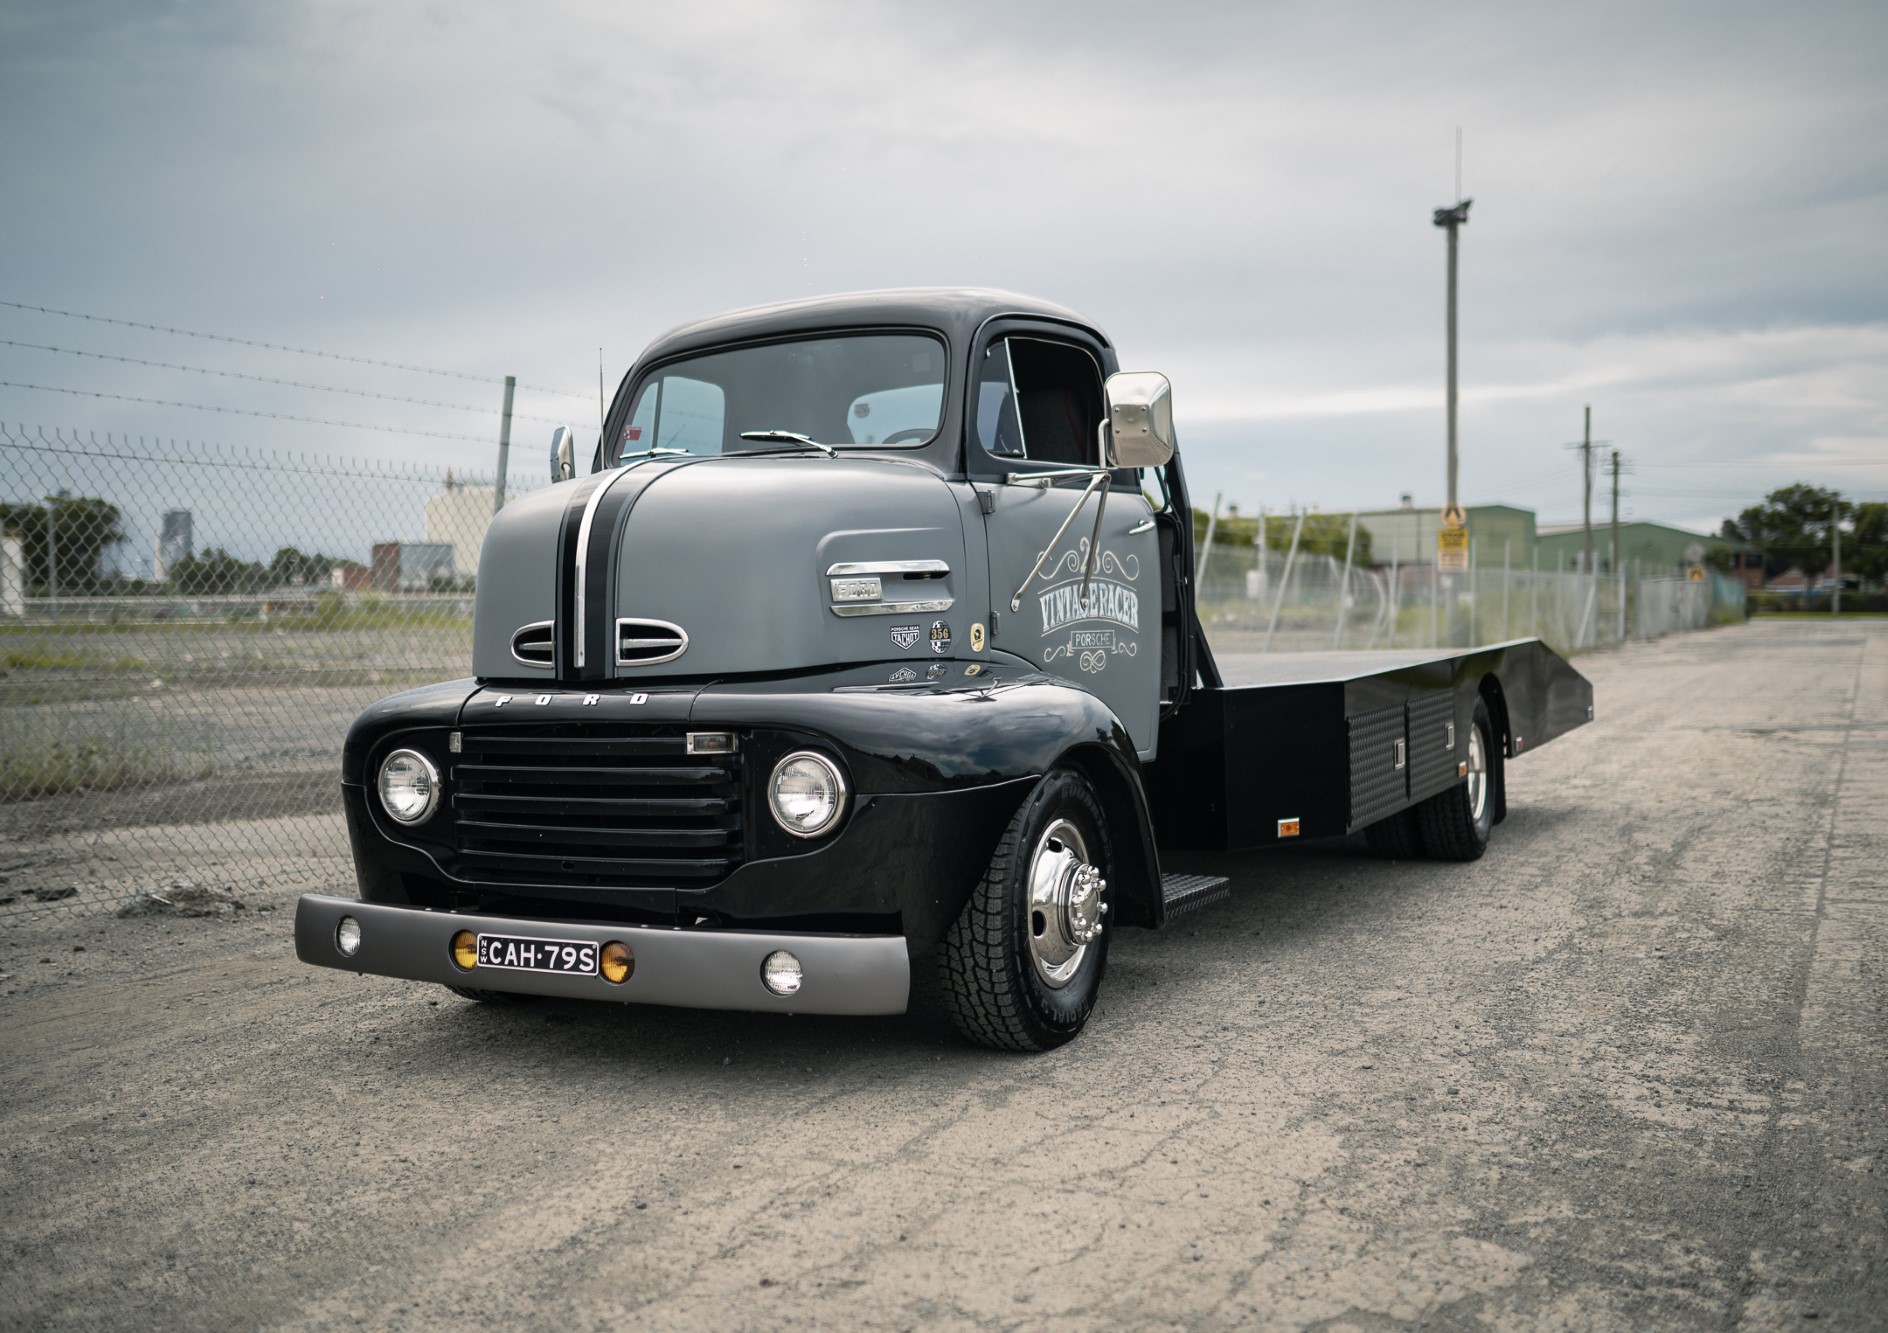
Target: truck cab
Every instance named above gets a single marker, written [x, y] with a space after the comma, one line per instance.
[851, 654]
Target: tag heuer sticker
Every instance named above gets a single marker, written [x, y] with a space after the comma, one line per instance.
[940, 637]
[904, 676]
[935, 671]
[976, 637]
[905, 635]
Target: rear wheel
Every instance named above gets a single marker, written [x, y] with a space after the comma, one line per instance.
[1456, 824]
[1023, 963]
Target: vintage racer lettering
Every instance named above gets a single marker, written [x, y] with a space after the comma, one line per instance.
[1105, 601]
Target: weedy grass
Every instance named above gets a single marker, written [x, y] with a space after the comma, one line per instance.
[51, 768]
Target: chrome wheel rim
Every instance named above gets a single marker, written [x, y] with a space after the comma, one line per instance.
[1065, 903]
[1477, 775]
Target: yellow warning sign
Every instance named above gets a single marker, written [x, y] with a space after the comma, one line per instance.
[1452, 550]
[1695, 573]
[1454, 517]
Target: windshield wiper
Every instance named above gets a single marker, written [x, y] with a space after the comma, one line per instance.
[790, 437]
[649, 453]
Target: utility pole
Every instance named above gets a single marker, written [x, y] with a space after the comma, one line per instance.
[1452, 220]
[504, 445]
[1613, 563]
[1586, 483]
[1835, 528]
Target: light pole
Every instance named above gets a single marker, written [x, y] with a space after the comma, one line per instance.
[1452, 219]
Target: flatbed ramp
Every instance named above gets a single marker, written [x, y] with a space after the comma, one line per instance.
[1310, 745]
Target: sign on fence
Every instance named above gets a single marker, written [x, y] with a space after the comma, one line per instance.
[1452, 541]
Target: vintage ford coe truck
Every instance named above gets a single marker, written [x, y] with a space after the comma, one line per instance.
[868, 645]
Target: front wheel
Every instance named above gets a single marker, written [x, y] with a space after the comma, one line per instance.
[1022, 964]
[1456, 824]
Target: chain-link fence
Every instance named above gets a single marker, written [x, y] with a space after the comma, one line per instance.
[187, 631]
[1265, 600]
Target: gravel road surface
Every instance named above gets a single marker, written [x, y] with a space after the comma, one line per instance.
[1625, 1072]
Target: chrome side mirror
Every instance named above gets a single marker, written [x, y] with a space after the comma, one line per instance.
[1140, 419]
[563, 454]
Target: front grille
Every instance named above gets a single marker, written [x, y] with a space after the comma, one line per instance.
[595, 805]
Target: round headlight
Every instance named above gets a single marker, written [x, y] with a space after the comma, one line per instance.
[807, 793]
[409, 786]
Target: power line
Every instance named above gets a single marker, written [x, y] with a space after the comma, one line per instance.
[284, 347]
[266, 379]
[246, 412]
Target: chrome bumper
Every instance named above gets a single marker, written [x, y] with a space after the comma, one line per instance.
[693, 969]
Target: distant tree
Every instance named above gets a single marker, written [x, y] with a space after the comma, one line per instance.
[1324, 534]
[216, 571]
[83, 528]
[288, 564]
[1868, 537]
[1790, 527]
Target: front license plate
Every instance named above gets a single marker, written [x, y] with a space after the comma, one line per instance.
[569, 957]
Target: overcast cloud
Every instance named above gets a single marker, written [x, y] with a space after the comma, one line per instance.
[1681, 216]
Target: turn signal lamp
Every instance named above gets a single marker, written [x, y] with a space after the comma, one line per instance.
[465, 950]
[618, 963]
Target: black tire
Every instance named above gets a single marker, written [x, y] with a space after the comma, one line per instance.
[488, 996]
[1396, 838]
[1452, 828]
[993, 982]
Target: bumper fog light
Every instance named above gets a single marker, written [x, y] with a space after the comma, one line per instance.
[780, 972]
[618, 963]
[465, 950]
[347, 936]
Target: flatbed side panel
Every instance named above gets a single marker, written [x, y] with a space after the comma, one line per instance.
[1234, 763]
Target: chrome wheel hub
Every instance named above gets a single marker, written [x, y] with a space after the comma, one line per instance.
[1477, 774]
[1065, 903]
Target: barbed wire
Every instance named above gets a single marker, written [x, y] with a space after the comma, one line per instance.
[225, 457]
[268, 379]
[248, 412]
[285, 347]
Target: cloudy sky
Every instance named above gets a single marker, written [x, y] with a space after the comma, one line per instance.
[1680, 217]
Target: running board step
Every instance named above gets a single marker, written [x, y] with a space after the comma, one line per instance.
[1183, 893]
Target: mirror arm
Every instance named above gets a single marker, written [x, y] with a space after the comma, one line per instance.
[1100, 479]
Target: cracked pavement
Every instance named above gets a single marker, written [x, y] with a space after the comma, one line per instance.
[1625, 1072]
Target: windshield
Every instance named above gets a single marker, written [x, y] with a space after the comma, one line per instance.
[857, 389]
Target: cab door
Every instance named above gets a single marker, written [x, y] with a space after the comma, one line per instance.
[1091, 611]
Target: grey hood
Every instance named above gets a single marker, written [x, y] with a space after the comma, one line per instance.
[727, 558]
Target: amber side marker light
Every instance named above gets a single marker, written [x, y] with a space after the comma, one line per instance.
[1287, 828]
[465, 950]
[619, 964]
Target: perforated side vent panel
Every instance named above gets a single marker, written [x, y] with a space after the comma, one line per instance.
[1432, 763]
[1377, 782]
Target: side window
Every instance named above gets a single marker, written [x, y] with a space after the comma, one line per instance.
[1040, 400]
[675, 412]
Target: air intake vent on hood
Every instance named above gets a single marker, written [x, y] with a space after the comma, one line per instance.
[647, 642]
[532, 644]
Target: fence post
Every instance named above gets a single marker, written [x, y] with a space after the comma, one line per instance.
[1396, 596]
[1474, 610]
[504, 446]
[1435, 605]
[1284, 580]
[1206, 548]
[1507, 558]
[1343, 582]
